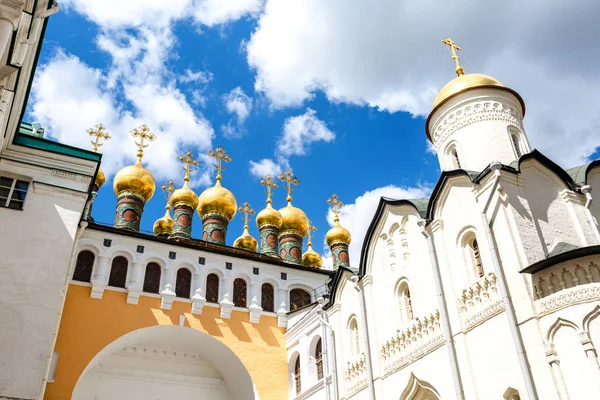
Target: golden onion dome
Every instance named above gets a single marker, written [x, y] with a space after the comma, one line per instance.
[338, 234]
[293, 219]
[311, 258]
[164, 226]
[184, 196]
[269, 216]
[100, 178]
[246, 241]
[217, 200]
[463, 83]
[135, 179]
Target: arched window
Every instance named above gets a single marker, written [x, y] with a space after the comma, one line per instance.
[183, 285]
[297, 375]
[299, 298]
[118, 272]
[476, 258]
[404, 303]
[267, 294]
[514, 136]
[84, 266]
[452, 155]
[212, 288]
[354, 337]
[239, 293]
[319, 359]
[152, 278]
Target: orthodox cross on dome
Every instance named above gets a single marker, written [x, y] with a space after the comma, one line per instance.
[268, 182]
[311, 228]
[143, 133]
[189, 162]
[453, 47]
[288, 180]
[99, 131]
[247, 212]
[219, 155]
[168, 189]
[337, 204]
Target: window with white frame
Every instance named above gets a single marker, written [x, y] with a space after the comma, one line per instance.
[515, 137]
[473, 256]
[452, 155]
[12, 192]
[354, 336]
[404, 303]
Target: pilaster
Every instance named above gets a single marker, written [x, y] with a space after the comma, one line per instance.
[100, 277]
[136, 282]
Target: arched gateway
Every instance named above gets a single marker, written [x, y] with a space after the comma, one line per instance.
[165, 362]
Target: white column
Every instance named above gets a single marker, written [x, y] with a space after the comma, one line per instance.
[100, 278]
[199, 299]
[554, 362]
[10, 12]
[136, 282]
[282, 298]
[226, 303]
[168, 292]
[591, 355]
[255, 308]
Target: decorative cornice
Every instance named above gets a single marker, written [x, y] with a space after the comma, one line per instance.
[568, 297]
[480, 317]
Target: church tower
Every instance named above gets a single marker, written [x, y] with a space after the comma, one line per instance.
[184, 201]
[476, 120]
[294, 224]
[338, 238]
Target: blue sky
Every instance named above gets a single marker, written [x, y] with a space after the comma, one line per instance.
[341, 99]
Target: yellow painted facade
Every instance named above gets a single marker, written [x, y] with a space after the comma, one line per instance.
[88, 325]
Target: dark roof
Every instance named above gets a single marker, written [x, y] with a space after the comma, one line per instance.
[561, 257]
[335, 283]
[579, 174]
[210, 247]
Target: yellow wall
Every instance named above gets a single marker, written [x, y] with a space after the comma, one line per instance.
[88, 325]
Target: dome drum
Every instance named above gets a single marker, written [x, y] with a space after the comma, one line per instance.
[130, 207]
[290, 247]
[182, 217]
[215, 228]
[269, 244]
[340, 255]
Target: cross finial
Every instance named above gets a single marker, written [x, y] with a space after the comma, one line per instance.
[337, 204]
[311, 228]
[219, 155]
[268, 182]
[99, 131]
[168, 190]
[189, 162]
[247, 212]
[288, 180]
[453, 47]
[143, 133]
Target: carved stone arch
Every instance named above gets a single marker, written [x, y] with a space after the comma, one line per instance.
[555, 327]
[154, 256]
[124, 252]
[393, 229]
[588, 318]
[417, 389]
[90, 245]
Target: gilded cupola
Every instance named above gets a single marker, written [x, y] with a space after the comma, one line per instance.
[338, 238]
[269, 216]
[311, 258]
[164, 226]
[185, 195]
[98, 133]
[217, 199]
[246, 241]
[292, 218]
[136, 179]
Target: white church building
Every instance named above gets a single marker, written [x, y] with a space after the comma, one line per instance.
[488, 289]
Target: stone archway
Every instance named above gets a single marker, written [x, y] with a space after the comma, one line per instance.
[165, 363]
[417, 389]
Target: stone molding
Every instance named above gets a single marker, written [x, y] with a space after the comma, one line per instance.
[157, 377]
[568, 297]
[10, 10]
[480, 302]
[480, 317]
[472, 113]
[355, 375]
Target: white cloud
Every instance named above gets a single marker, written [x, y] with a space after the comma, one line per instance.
[239, 104]
[388, 55]
[357, 216]
[265, 167]
[201, 77]
[300, 131]
[214, 12]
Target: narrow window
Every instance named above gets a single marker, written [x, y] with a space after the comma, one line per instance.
[297, 375]
[299, 298]
[84, 266]
[152, 278]
[404, 304]
[319, 359]
[354, 337]
[118, 272]
[477, 258]
[455, 160]
[517, 143]
[267, 294]
[212, 288]
[239, 293]
[183, 285]
[12, 193]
